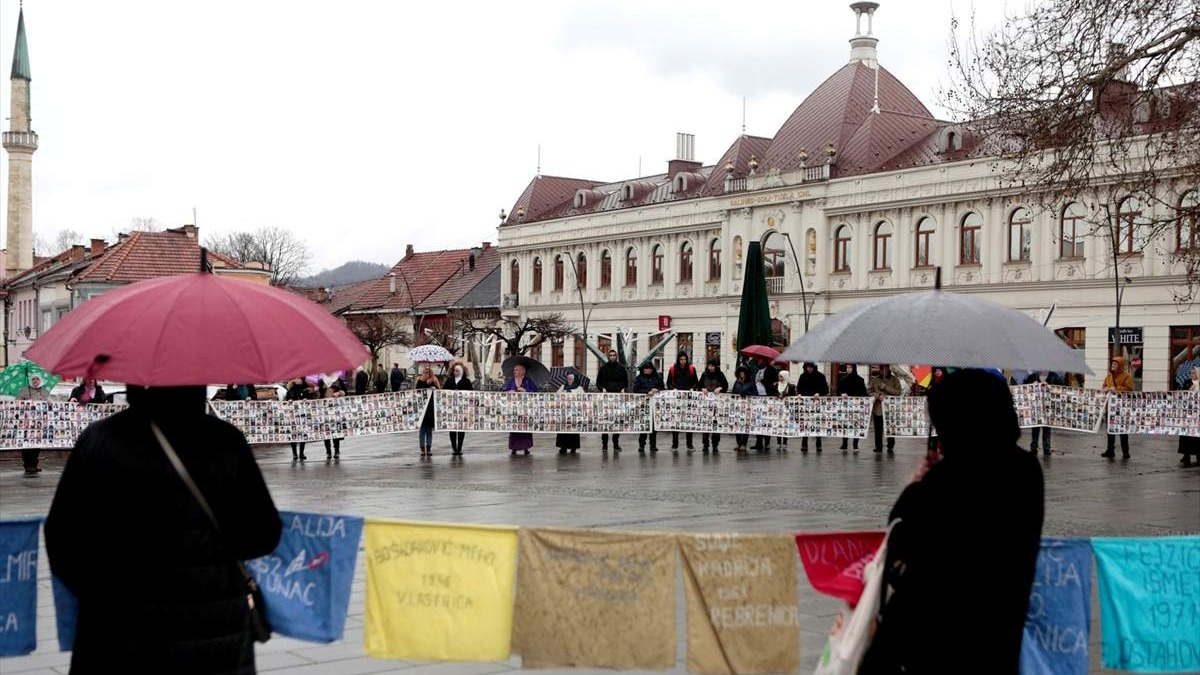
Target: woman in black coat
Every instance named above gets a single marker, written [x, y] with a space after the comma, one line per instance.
[457, 381]
[851, 384]
[964, 541]
[158, 587]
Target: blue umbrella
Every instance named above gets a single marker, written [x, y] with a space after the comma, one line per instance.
[1184, 372]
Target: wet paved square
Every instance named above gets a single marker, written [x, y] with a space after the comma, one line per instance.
[775, 492]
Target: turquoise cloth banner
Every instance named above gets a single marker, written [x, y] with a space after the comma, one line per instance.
[1149, 603]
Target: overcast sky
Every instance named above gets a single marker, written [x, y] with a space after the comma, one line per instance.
[364, 126]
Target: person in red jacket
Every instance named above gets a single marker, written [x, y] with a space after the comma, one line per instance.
[682, 376]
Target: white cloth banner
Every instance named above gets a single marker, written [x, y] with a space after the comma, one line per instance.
[47, 424]
[906, 417]
[1168, 413]
[1051, 405]
[318, 419]
[794, 416]
[537, 412]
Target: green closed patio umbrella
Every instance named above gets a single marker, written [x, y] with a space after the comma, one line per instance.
[754, 318]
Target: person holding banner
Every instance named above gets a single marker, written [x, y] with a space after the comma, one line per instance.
[785, 390]
[712, 381]
[682, 377]
[568, 442]
[457, 381]
[812, 383]
[157, 581]
[333, 446]
[743, 386]
[1119, 381]
[851, 384]
[612, 379]
[1044, 432]
[297, 391]
[34, 391]
[963, 543]
[884, 384]
[427, 380]
[521, 383]
[88, 393]
[1190, 445]
[648, 382]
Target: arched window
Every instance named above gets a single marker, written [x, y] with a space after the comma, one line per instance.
[605, 269]
[925, 229]
[1132, 227]
[631, 266]
[581, 270]
[685, 262]
[881, 246]
[537, 275]
[714, 260]
[1071, 229]
[558, 272]
[1020, 235]
[810, 248]
[841, 249]
[774, 255]
[1187, 230]
[514, 278]
[971, 239]
[656, 264]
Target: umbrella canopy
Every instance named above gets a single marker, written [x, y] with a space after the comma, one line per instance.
[533, 369]
[1183, 374]
[754, 319]
[936, 327]
[196, 329]
[922, 375]
[763, 351]
[558, 377]
[16, 377]
[430, 354]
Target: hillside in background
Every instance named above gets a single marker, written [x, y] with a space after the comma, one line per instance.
[344, 275]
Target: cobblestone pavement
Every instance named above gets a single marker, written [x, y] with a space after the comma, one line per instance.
[382, 476]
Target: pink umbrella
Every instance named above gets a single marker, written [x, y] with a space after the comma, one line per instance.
[197, 329]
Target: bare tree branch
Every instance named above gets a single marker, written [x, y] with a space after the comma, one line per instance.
[377, 332]
[287, 254]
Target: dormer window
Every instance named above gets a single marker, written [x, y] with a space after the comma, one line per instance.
[679, 184]
[580, 199]
[627, 193]
[950, 139]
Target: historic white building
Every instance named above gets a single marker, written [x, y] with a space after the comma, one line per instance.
[874, 194]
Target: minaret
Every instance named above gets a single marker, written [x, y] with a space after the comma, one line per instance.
[20, 141]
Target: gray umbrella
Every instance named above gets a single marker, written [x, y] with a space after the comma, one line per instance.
[940, 328]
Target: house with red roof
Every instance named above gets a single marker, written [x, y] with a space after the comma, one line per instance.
[38, 297]
[861, 193]
[428, 294]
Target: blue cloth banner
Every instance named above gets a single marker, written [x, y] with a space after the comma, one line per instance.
[306, 580]
[66, 614]
[1149, 603]
[18, 585]
[1058, 622]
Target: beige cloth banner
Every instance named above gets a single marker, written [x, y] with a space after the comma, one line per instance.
[595, 599]
[742, 603]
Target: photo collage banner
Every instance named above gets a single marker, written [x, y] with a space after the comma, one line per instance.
[1052, 405]
[1170, 413]
[793, 416]
[47, 424]
[534, 412]
[318, 419]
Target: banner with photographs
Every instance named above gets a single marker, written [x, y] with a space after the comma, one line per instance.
[318, 419]
[47, 424]
[1050, 405]
[906, 416]
[536, 412]
[1166, 413]
[795, 416]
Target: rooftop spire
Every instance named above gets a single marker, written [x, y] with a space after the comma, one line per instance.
[862, 45]
[20, 66]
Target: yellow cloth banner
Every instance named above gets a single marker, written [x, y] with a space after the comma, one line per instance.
[595, 599]
[742, 607]
[439, 592]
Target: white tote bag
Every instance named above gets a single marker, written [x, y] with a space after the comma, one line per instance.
[854, 628]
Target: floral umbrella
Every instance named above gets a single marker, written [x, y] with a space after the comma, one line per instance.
[16, 377]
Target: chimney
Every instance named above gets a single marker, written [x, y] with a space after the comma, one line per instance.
[97, 247]
[685, 155]
[189, 230]
[392, 279]
[487, 244]
[408, 251]
[862, 45]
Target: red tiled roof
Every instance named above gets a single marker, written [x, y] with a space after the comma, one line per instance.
[838, 112]
[417, 276]
[49, 265]
[739, 153]
[462, 281]
[545, 193]
[147, 255]
[345, 297]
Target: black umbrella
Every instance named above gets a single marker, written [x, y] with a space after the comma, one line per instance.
[533, 369]
[558, 377]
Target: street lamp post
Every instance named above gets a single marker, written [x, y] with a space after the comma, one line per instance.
[800, 273]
